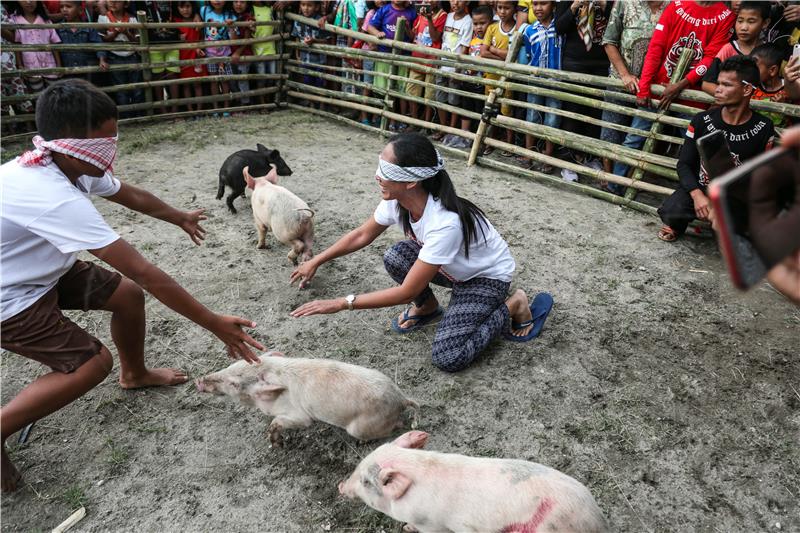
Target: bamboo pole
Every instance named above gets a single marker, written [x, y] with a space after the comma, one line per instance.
[136, 66]
[684, 61]
[655, 164]
[199, 112]
[135, 25]
[526, 88]
[498, 165]
[165, 116]
[334, 116]
[160, 83]
[527, 70]
[329, 77]
[142, 46]
[327, 92]
[168, 103]
[489, 107]
[147, 75]
[578, 169]
[548, 179]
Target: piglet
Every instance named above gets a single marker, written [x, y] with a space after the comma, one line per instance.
[433, 491]
[230, 173]
[297, 391]
[278, 209]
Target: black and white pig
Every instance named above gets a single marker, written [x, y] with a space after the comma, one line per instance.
[297, 391]
[447, 492]
[259, 161]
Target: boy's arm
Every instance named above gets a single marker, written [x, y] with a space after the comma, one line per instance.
[147, 203]
[654, 57]
[130, 263]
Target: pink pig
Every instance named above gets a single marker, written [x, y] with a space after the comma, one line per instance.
[297, 391]
[279, 210]
[445, 492]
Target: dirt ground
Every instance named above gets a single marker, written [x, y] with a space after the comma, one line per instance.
[673, 397]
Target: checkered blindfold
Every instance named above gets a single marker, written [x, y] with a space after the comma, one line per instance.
[99, 152]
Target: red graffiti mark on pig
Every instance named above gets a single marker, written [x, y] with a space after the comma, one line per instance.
[531, 525]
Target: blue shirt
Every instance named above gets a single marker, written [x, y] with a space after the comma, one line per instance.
[385, 20]
[80, 58]
[542, 46]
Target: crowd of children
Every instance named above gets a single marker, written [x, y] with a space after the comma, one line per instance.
[632, 41]
[165, 62]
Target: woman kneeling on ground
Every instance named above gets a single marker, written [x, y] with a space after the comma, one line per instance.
[450, 243]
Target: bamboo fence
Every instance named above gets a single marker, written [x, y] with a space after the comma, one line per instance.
[651, 173]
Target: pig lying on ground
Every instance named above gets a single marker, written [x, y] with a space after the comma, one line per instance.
[446, 492]
[277, 209]
[296, 391]
[230, 173]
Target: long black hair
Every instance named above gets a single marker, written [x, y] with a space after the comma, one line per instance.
[415, 150]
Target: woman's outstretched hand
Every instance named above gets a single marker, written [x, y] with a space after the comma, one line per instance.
[320, 307]
[303, 273]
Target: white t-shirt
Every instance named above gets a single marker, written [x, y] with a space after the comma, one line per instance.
[456, 35]
[121, 37]
[439, 232]
[44, 221]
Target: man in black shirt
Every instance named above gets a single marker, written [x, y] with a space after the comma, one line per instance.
[748, 133]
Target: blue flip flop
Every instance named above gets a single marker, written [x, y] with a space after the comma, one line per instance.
[540, 307]
[421, 320]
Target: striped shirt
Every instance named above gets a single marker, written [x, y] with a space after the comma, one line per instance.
[543, 46]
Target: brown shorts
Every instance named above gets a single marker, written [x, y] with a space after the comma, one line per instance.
[43, 334]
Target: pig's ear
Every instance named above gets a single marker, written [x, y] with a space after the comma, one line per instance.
[267, 391]
[392, 483]
[412, 439]
[262, 149]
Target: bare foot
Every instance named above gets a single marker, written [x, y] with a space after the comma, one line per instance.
[431, 305]
[154, 377]
[10, 474]
[520, 312]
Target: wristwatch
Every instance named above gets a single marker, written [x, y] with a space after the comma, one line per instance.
[350, 299]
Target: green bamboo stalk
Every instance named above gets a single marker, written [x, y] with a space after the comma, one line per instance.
[167, 103]
[327, 92]
[681, 68]
[142, 46]
[490, 65]
[593, 146]
[71, 71]
[484, 125]
[527, 88]
[329, 77]
[161, 83]
[541, 177]
[135, 25]
[578, 169]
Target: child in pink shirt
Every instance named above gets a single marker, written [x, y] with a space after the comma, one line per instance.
[34, 13]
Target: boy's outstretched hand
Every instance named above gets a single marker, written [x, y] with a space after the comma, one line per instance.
[229, 330]
[190, 223]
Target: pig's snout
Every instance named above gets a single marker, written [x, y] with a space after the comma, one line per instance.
[201, 385]
[344, 490]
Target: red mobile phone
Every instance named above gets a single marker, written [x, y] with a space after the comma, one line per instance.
[750, 250]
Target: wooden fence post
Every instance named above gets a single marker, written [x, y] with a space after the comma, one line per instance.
[147, 75]
[494, 94]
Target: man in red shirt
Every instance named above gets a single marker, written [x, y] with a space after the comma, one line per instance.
[704, 27]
